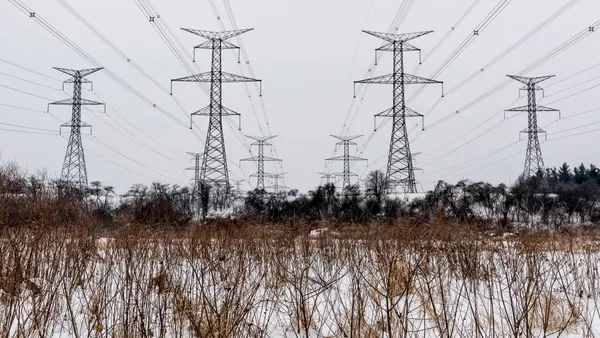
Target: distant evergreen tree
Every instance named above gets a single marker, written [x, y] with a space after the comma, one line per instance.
[594, 174]
[580, 175]
[564, 173]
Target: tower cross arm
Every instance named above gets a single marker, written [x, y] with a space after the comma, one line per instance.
[406, 47]
[224, 45]
[526, 108]
[413, 79]
[263, 158]
[346, 138]
[383, 79]
[83, 102]
[342, 158]
[530, 80]
[82, 72]
[389, 37]
[408, 112]
[228, 77]
[208, 76]
[217, 35]
[261, 138]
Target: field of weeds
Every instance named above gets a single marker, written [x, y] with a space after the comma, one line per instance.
[443, 281]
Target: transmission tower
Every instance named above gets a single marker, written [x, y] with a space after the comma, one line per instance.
[328, 177]
[74, 171]
[400, 170]
[346, 141]
[196, 168]
[534, 161]
[238, 186]
[261, 142]
[276, 187]
[213, 170]
[196, 181]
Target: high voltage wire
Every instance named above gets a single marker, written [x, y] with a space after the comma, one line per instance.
[231, 16]
[137, 128]
[22, 108]
[502, 55]
[485, 156]
[362, 90]
[26, 93]
[73, 46]
[547, 57]
[136, 139]
[140, 142]
[27, 127]
[571, 76]
[453, 56]
[54, 133]
[143, 165]
[170, 39]
[30, 70]
[28, 132]
[29, 81]
[494, 13]
[451, 30]
[516, 45]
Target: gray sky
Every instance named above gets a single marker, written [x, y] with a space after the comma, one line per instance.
[308, 53]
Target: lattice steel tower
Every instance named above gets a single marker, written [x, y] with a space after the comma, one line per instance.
[328, 177]
[196, 168]
[213, 170]
[346, 142]
[261, 142]
[74, 171]
[276, 187]
[400, 170]
[196, 182]
[534, 161]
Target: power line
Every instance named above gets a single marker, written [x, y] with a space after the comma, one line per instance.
[29, 81]
[30, 70]
[77, 49]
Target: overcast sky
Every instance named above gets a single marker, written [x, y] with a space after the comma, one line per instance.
[308, 53]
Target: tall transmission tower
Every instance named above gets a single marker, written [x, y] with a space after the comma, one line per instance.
[400, 170]
[346, 142]
[74, 171]
[276, 187]
[534, 161]
[261, 142]
[213, 170]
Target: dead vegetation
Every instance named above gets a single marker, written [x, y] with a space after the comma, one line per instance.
[259, 281]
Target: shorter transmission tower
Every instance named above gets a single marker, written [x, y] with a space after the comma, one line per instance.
[329, 178]
[534, 162]
[261, 142]
[196, 157]
[238, 186]
[276, 187]
[346, 141]
[74, 171]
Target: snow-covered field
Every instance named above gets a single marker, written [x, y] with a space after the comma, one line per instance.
[310, 286]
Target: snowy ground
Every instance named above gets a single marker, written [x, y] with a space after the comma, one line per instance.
[306, 287]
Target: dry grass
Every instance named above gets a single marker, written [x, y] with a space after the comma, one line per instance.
[242, 280]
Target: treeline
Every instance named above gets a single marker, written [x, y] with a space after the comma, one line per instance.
[549, 199]
[552, 198]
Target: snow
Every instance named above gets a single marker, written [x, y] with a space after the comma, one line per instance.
[310, 289]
